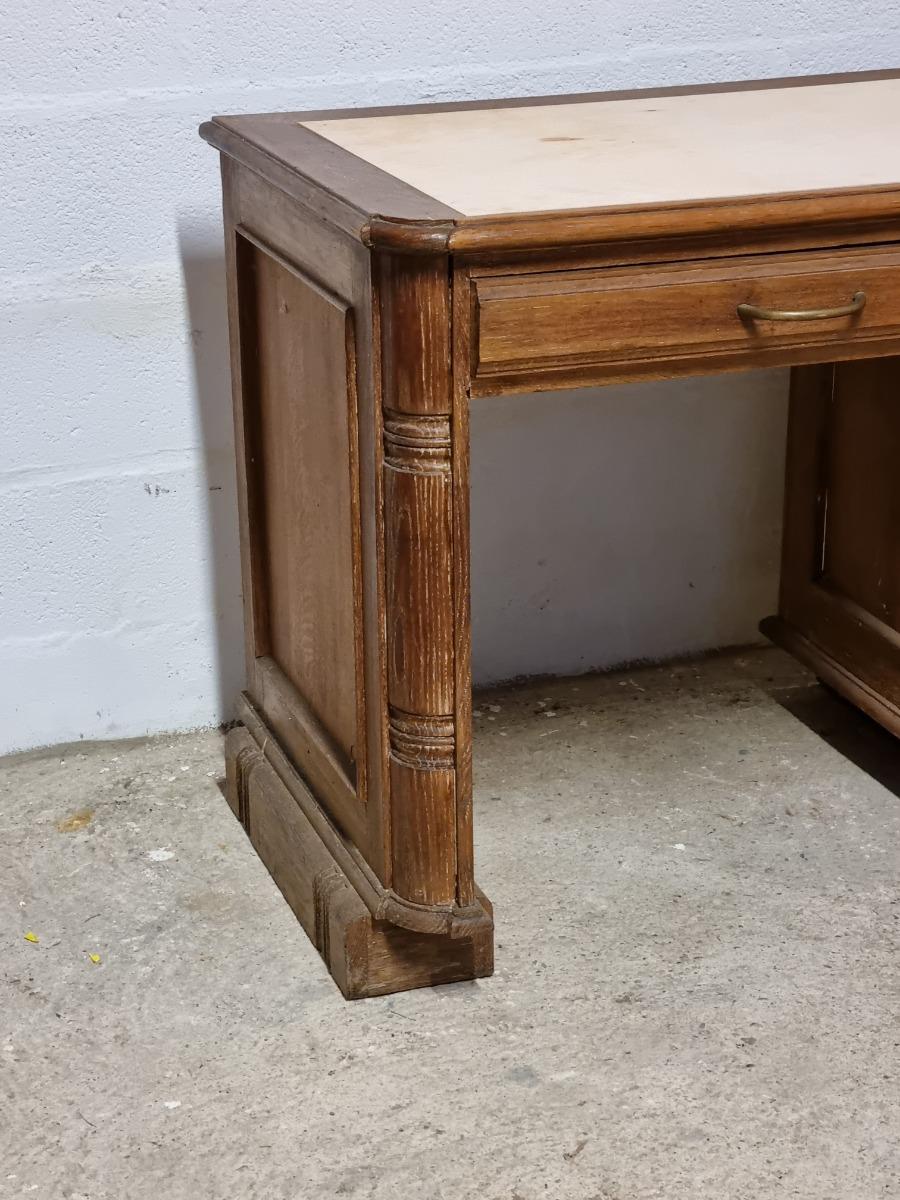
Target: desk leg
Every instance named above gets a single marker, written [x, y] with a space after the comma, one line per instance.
[426, 552]
[839, 608]
[349, 769]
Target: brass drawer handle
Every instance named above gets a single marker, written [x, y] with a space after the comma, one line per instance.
[755, 313]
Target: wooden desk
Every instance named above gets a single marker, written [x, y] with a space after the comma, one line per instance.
[387, 266]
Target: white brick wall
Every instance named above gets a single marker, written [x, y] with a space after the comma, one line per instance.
[119, 591]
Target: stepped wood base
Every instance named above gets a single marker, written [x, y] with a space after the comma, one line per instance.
[844, 681]
[365, 956]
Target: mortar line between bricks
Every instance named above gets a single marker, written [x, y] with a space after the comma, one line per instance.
[49, 104]
[157, 462]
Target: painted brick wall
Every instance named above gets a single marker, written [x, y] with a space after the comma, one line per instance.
[119, 590]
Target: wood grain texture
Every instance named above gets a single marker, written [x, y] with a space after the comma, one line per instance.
[627, 321]
[419, 555]
[861, 535]
[299, 373]
[439, 937]
[331, 184]
[254, 209]
[826, 218]
[680, 246]
[351, 407]
[297, 728]
[365, 956]
[462, 603]
[842, 524]
[383, 903]
[246, 445]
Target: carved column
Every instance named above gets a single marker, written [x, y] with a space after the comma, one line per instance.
[420, 630]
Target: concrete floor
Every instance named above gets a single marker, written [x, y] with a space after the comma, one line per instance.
[694, 869]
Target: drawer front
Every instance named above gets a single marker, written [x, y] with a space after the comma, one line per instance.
[657, 320]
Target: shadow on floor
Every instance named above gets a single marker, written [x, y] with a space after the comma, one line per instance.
[846, 729]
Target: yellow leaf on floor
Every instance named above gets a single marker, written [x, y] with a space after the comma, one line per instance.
[95, 958]
[77, 821]
[31, 937]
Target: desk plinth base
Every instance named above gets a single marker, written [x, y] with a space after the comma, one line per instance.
[832, 673]
[365, 956]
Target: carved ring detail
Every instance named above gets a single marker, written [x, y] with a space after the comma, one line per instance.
[424, 743]
[417, 442]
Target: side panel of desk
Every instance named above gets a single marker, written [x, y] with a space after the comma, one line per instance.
[839, 608]
[344, 769]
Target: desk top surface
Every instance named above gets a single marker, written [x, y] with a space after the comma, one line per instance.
[598, 153]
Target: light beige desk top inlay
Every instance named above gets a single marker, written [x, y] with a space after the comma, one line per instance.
[596, 154]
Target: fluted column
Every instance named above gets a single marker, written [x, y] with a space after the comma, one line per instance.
[418, 499]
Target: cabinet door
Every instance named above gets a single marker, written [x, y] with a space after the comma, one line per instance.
[839, 608]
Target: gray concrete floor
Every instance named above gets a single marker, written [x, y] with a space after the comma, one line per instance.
[694, 869]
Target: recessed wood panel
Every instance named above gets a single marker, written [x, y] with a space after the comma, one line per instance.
[861, 518]
[298, 364]
[840, 581]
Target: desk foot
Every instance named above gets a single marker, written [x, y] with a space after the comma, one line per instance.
[832, 673]
[364, 955]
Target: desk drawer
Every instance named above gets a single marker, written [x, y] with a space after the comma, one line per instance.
[559, 327]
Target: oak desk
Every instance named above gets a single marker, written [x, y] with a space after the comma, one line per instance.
[387, 266]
